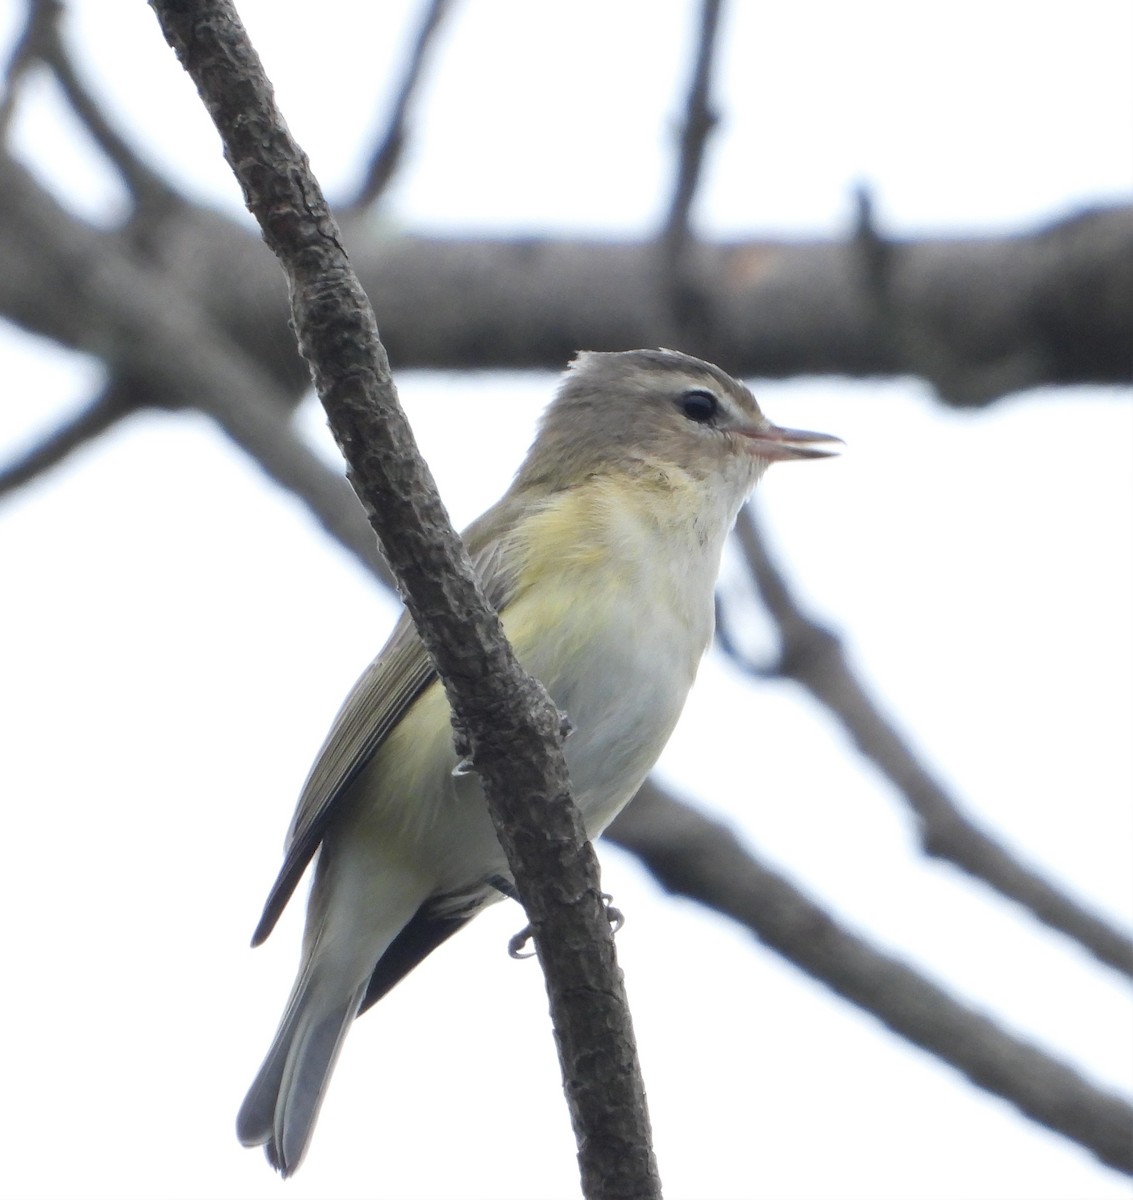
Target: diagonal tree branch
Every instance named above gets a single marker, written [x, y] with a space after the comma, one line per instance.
[694, 856]
[146, 187]
[813, 656]
[103, 411]
[164, 352]
[386, 159]
[510, 724]
[27, 51]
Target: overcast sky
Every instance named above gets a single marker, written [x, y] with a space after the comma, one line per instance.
[177, 636]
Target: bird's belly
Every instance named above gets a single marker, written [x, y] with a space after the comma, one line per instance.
[622, 684]
[620, 675]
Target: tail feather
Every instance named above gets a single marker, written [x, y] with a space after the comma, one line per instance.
[283, 1102]
[309, 1066]
[357, 908]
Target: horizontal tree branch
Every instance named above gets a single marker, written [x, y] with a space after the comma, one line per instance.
[981, 318]
[988, 316]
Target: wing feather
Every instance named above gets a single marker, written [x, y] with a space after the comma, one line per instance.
[383, 694]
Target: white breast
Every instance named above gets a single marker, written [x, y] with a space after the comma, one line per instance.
[620, 653]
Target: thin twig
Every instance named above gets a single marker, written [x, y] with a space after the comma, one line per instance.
[877, 261]
[873, 251]
[146, 187]
[27, 51]
[42, 42]
[387, 158]
[814, 657]
[700, 120]
[72, 434]
[687, 310]
[694, 856]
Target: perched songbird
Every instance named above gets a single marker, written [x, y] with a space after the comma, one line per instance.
[601, 560]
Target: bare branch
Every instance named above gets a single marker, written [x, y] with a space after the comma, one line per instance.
[103, 412]
[27, 51]
[42, 42]
[688, 305]
[699, 122]
[387, 158]
[903, 328]
[694, 856]
[165, 351]
[813, 656]
[511, 725]
[1051, 306]
[146, 187]
[875, 252]
[272, 442]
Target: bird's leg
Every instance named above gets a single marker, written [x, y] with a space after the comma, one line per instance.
[504, 886]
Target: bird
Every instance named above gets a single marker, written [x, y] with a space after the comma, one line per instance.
[601, 559]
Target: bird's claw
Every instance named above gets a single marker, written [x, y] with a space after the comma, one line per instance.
[614, 915]
[515, 946]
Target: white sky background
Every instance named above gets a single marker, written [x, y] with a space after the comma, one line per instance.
[176, 637]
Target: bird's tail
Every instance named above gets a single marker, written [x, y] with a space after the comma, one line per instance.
[283, 1102]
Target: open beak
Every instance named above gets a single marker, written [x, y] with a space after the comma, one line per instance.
[777, 444]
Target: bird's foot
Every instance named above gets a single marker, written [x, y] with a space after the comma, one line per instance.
[516, 944]
[614, 915]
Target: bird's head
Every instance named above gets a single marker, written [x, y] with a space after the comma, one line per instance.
[658, 409]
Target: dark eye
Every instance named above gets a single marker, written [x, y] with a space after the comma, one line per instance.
[699, 406]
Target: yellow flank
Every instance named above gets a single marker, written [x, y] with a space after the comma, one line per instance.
[580, 557]
[605, 523]
[566, 532]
